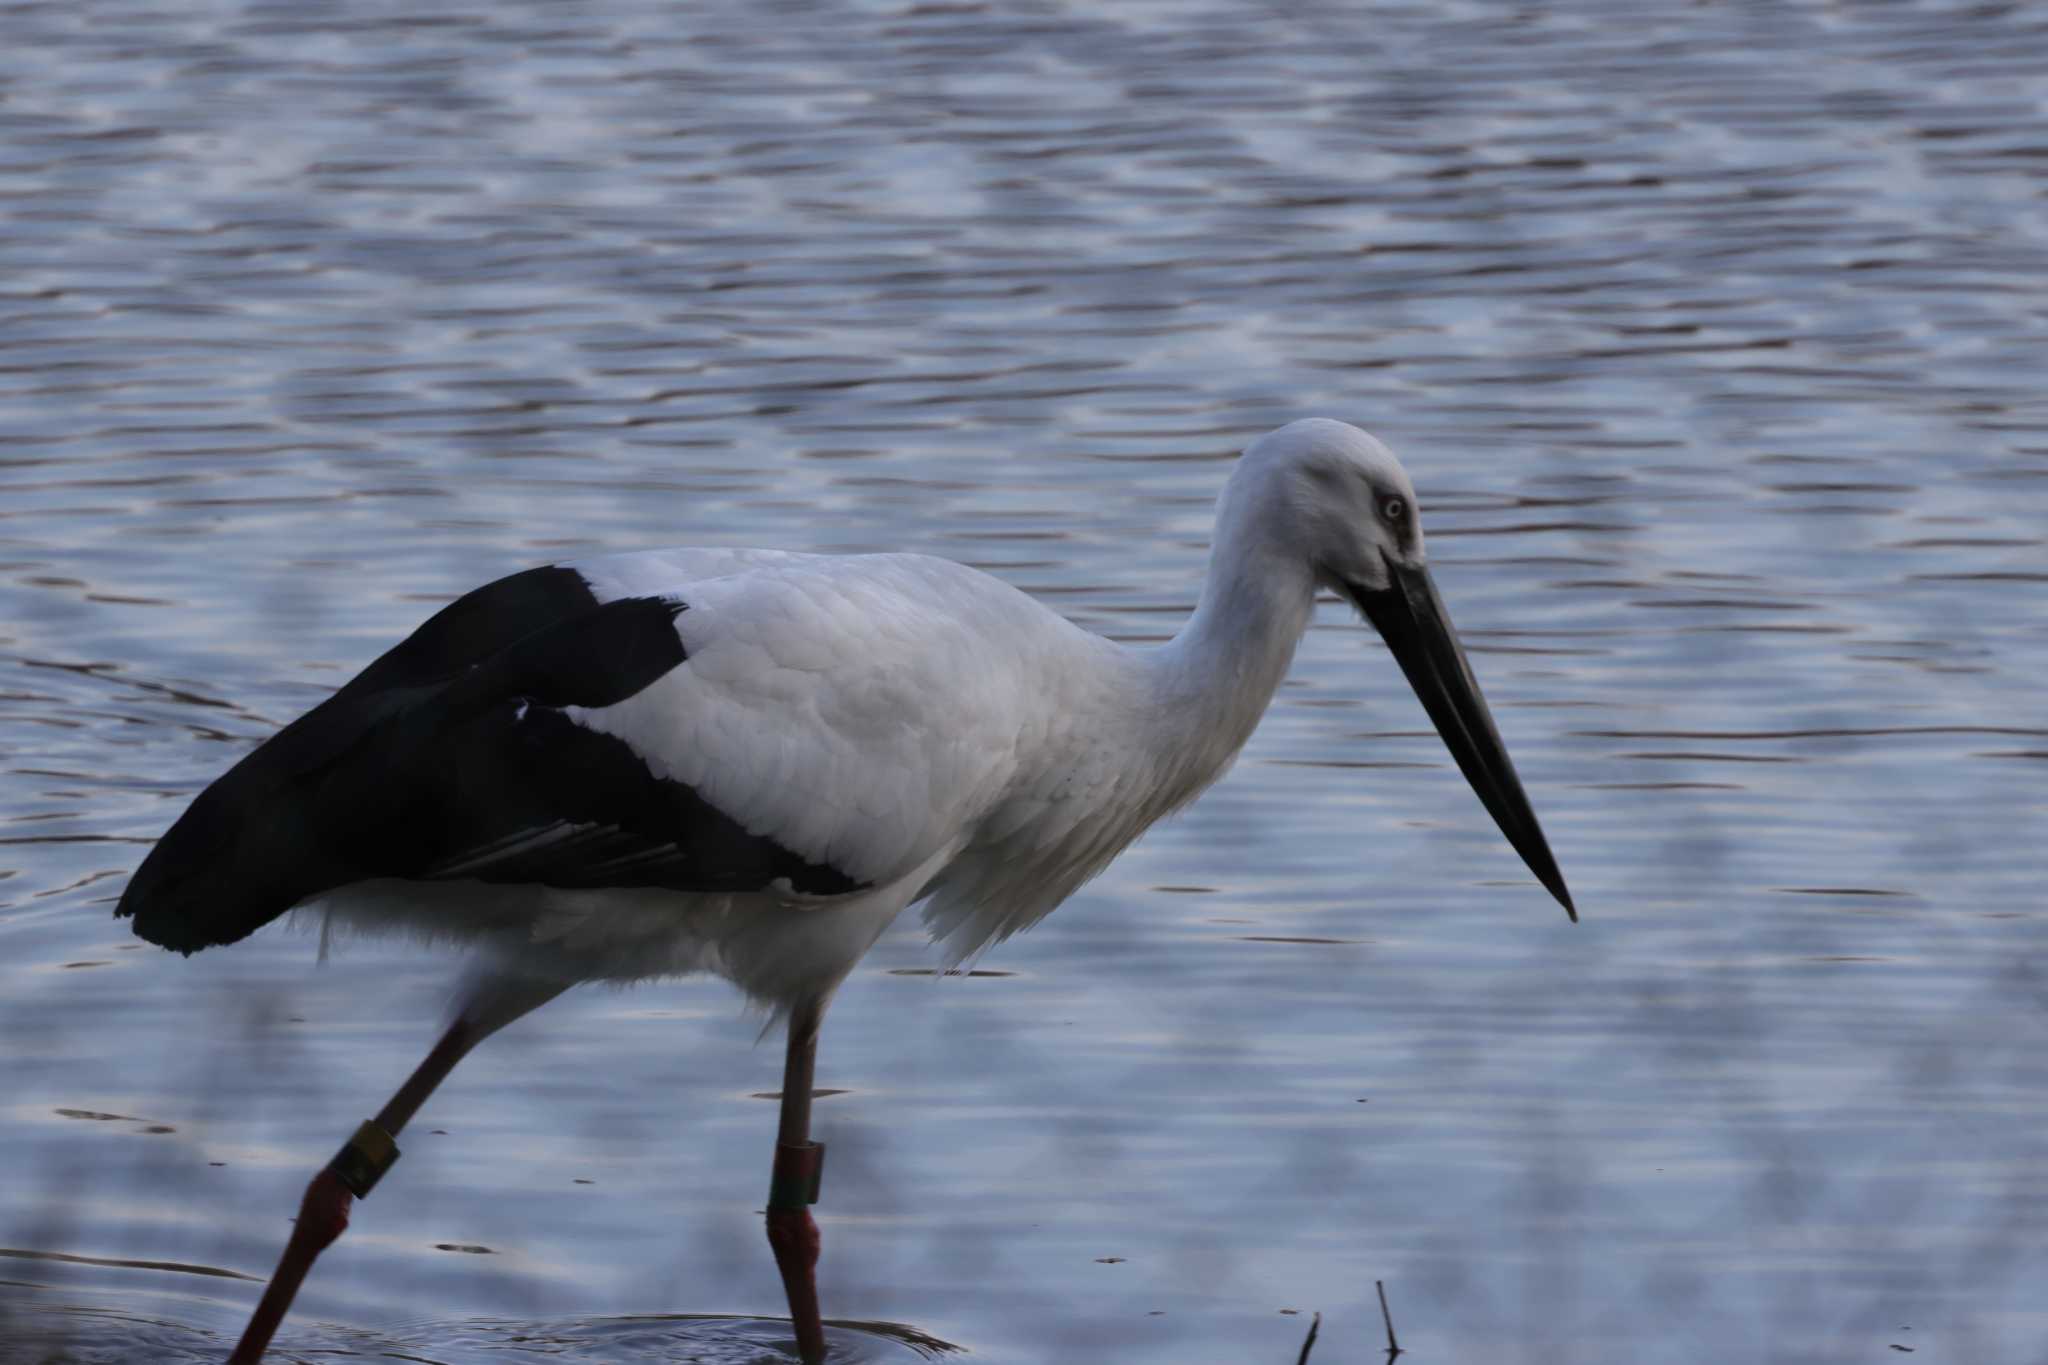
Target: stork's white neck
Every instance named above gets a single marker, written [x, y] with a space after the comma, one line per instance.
[1215, 678]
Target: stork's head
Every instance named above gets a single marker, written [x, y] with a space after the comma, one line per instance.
[1347, 499]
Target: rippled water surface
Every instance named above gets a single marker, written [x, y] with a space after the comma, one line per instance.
[1714, 336]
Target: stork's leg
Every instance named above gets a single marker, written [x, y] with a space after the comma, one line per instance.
[323, 1214]
[794, 1186]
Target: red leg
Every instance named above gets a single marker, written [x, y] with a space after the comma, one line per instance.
[799, 1162]
[323, 1213]
[323, 1216]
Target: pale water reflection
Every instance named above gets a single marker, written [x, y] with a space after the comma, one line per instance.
[1713, 336]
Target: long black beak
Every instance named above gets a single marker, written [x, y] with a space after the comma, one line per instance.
[1411, 618]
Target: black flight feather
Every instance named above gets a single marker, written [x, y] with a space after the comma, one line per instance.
[452, 757]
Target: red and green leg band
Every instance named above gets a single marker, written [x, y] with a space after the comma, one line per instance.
[799, 1169]
[362, 1161]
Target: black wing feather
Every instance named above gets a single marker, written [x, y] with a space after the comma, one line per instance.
[452, 757]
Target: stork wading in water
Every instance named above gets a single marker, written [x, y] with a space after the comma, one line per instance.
[748, 763]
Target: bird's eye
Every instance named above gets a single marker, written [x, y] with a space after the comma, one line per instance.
[1393, 509]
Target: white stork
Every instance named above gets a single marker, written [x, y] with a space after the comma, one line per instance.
[748, 763]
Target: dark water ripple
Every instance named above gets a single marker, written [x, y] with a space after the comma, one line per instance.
[1713, 335]
[91, 1334]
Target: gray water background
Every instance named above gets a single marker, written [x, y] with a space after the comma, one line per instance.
[1714, 336]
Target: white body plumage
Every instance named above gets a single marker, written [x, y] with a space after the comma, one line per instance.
[925, 728]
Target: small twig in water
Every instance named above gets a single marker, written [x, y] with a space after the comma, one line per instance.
[1314, 1323]
[1393, 1346]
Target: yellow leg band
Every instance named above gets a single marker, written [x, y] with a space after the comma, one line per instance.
[362, 1161]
